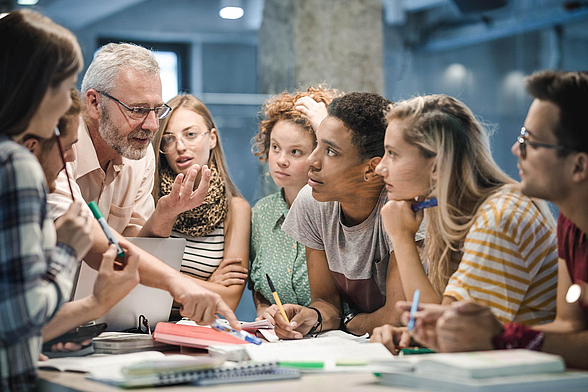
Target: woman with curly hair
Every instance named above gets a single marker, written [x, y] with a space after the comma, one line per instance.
[285, 140]
[217, 231]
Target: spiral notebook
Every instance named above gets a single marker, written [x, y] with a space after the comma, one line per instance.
[226, 374]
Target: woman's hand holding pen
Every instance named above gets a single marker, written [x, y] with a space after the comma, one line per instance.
[302, 319]
[400, 221]
[74, 228]
[425, 326]
[461, 326]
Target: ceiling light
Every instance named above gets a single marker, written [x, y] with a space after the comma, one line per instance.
[27, 2]
[231, 9]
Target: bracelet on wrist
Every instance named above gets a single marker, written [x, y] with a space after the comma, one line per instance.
[319, 322]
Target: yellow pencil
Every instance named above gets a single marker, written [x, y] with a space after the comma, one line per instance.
[277, 299]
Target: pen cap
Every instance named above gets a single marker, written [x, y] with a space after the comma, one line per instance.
[95, 210]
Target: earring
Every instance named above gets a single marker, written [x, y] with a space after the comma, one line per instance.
[365, 178]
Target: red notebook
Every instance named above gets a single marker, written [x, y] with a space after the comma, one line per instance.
[192, 336]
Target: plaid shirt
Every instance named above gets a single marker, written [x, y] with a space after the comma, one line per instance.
[35, 274]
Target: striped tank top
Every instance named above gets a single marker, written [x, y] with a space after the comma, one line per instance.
[202, 254]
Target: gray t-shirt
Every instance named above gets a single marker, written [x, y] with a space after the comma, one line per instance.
[357, 256]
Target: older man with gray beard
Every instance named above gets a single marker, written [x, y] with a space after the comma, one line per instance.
[115, 167]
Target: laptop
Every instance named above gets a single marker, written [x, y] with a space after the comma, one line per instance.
[153, 304]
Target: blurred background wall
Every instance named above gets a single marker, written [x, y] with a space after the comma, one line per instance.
[476, 50]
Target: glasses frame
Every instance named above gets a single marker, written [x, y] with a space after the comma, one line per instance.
[132, 109]
[523, 140]
[176, 142]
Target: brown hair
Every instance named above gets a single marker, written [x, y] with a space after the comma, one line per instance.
[217, 155]
[569, 92]
[282, 107]
[36, 54]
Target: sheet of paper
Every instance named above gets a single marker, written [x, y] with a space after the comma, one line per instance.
[331, 349]
[97, 361]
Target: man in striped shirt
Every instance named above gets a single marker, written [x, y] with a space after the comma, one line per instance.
[553, 164]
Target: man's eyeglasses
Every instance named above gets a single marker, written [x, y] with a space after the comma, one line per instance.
[189, 138]
[523, 140]
[139, 113]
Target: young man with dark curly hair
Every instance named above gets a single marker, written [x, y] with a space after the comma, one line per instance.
[337, 217]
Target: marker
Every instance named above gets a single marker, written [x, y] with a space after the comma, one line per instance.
[243, 335]
[302, 365]
[105, 228]
[424, 204]
[62, 153]
[413, 308]
[277, 299]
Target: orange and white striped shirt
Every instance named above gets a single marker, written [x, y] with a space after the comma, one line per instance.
[509, 260]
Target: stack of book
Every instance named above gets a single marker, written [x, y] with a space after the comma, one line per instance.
[122, 343]
[492, 371]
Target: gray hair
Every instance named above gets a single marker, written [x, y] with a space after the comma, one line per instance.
[111, 59]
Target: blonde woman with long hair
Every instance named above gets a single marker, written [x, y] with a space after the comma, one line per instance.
[486, 242]
[217, 231]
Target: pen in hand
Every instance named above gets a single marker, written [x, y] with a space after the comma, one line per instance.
[105, 228]
[413, 308]
[277, 299]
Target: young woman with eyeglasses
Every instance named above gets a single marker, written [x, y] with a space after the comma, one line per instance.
[486, 242]
[217, 231]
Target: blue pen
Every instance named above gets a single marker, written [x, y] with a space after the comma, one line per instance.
[243, 335]
[413, 308]
[424, 204]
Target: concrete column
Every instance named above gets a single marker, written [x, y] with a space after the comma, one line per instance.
[306, 42]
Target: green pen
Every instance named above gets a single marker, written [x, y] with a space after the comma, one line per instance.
[105, 228]
[302, 365]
